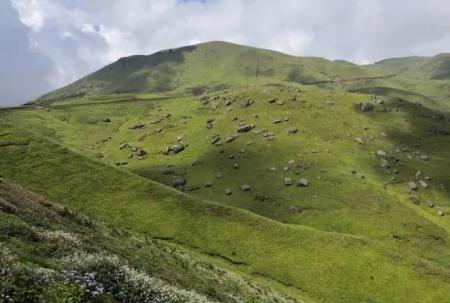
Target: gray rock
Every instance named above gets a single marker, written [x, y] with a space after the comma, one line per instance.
[230, 139]
[440, 213]
[294, 209]
[137, 126]
[430, 204]
[141, 153]
[245, 187]
[412, 186]
[245, 128]
[276, 121]
[365, 106]
[122, 146]
[292, 130]
[303, 182]
[415, 199]
[228, 192]
[209, 184]
[360, 140]
[180, 181]
[288, 181]
[423, 184]
[381, 153]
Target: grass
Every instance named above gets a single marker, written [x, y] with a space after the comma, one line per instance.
[352, 235]
[374, 245]
[38, 237]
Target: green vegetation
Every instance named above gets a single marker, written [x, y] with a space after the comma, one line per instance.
[166, 160]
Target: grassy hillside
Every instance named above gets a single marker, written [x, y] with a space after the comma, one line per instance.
[190, 68]
[235, 174]
[50, 253]
[355, 221]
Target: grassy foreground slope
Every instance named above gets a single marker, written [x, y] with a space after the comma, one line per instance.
[52, 254]
[323, 266]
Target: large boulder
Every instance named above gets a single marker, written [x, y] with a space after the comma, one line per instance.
[245, 128]
[365, 106]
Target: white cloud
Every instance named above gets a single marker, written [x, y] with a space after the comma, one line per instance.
[81, 36]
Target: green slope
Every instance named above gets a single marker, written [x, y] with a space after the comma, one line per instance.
[212, 65]
[373, 244]
[48, 250]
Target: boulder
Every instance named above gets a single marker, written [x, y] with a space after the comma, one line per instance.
[208, 184]
[141, 153]
[228, 192]
[360, 140]
[412, 186]
[245, 128]
[381, 153]
[423, 184]
[365, 106]
[292, 130]
[430, 204]
[415, 199]
[180, 181]
[294, 209]
[122, 146]
[245, 187]
[288, 181]
[137, 126]
[440, 213]
[303, 182]
[230, 139]
[215, 139]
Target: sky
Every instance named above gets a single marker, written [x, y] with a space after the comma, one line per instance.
[46, 44]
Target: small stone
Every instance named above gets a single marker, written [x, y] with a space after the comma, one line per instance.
[208, 184]
[235, 165]
[430, 204]
[440, 213]
[228, 191]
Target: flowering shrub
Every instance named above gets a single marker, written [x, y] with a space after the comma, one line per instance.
[102, 275]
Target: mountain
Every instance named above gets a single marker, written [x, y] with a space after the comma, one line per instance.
[211, 66]
[238, 188]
